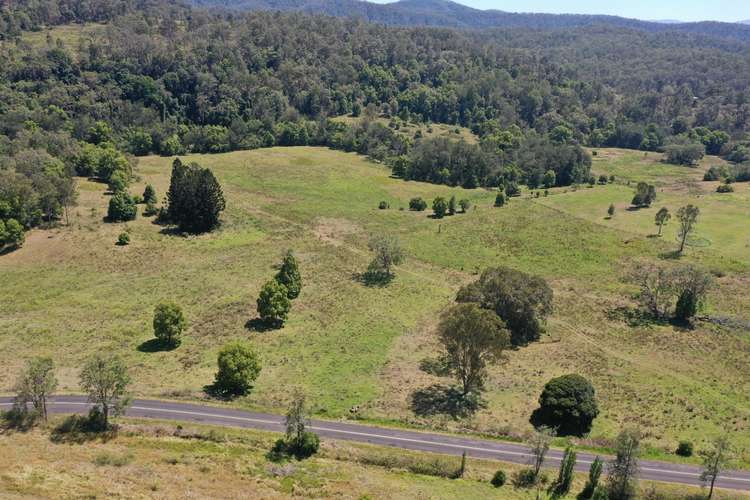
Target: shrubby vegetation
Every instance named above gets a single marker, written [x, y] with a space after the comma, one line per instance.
[239, 366]
[568, 405]
[169, 323]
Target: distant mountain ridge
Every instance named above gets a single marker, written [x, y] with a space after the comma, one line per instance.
[445, 13]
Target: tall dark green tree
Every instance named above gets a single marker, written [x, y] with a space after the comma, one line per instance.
[289, 275]
[195, 198]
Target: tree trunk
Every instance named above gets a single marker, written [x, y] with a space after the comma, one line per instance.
[660, 226]
[711, 491]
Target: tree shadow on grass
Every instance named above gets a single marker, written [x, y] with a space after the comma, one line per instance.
[373, 280]
[156, 345]
[260, 326]
[673, 255]
[633, 316]
[439, 399]
[79, 429]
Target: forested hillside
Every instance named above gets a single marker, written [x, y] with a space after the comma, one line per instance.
[445, 13]
[160, 77]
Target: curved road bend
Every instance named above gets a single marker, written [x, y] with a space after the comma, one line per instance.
[397, 438]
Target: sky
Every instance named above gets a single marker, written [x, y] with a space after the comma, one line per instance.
[683, 10]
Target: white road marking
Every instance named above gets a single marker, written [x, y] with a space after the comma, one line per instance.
[381, 436]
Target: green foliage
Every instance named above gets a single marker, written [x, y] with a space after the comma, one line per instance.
[452, 205]
[36, 383]
[388, 253]
[564, 480]
[683, 154]
[439, 207]
[724, 188]
[684, 449]
[239, 366]
[716, 173]
[611, 210]
[297, 442]
[384, 205]
[149, 194]
[195, 198]
[662, 217]
[472, 338]
[289, 275]
[592, 483]
[417, 204]
[715, 460]
[687, 217]
[521, 300]
[512, 189]
[105, 379]
[168, 323]
[567, 404]
[548, 181]
[150, 209]
[118, 181]
[524, 478]
[123, 239]
[623, 469]
[498, 479]
[645, 194]
[11, 233]
[121, 208]
[464, 204]
[499, 200]
[273, 303]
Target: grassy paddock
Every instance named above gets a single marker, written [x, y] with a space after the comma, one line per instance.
[70, 292]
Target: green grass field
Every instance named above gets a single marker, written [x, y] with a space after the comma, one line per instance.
[70, 292]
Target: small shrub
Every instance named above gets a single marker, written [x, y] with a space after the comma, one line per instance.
[123, 239]
[464, 204]
[685, 449]
[150, 209]
[121, 207]
[138, 199]
[384, 205]
[725, 188]
[499, 200]
[498, 480]
[524, 478]
[417, 204]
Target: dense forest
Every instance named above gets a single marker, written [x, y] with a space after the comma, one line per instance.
[164, 78]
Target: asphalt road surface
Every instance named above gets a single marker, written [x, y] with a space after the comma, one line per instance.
[396, 438]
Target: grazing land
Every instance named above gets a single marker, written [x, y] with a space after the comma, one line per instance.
[356, 350]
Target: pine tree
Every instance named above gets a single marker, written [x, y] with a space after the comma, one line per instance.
[289, 275]
[565, 476]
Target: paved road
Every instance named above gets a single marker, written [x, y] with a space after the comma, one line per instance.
[397, 438]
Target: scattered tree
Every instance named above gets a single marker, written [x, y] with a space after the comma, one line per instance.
[149, 194]
[297, 440]
[36, 383]
[565, 475]
[239, 366]
[123, 239]
[662, 217]
[169, 323]
[499, 199]
[464, 204]
[195, 199]
[684, 449]
[118, 181]
[384, 205]
[521, 300]
[417, 204]
[498, 479]
[105, 379]
[688, 217]
[452, 205]
[472, 338]
[388, 253]
[567, 404]
[645, 194]
[592, 484]
[439, 207]
[611, 211]
[715, 461]
[273, 303]
[539, 443]
[289, 275]
[121, 208]
[622, 471]
[684, 154]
